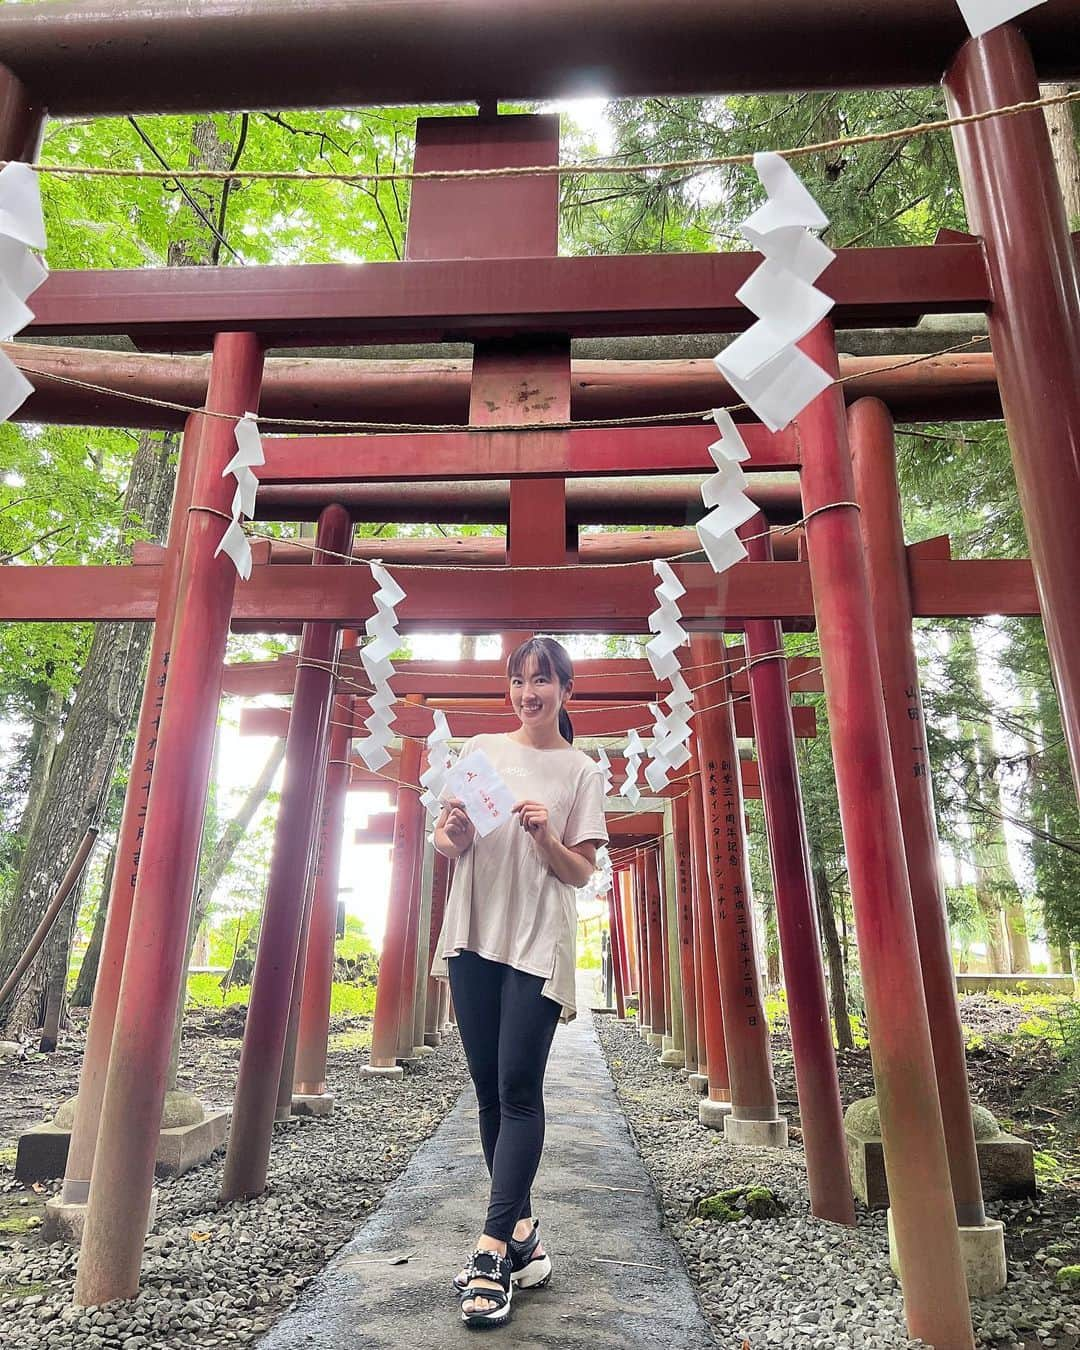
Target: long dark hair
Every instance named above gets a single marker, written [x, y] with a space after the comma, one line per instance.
[553, 662]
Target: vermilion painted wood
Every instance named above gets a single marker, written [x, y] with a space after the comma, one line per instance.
[654, 883]
[960, 385]
[507, 454]
[873, 452]
[123, 1174]
[746, 1032]
[935, 1294]
[412, 817]
[820, 1111]
[386, 1028]
[1014, 200]
[287, 896]
[314, 1026]
[629, 935]
[615, 938]
[618, 680]
[474, 300]
[440, 884]
[712, 1045]
[99, 1032]
[581, 602]
[641, 914]
[684, 913]
[170, 57]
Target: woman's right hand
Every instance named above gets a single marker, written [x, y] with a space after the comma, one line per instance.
[456, 826]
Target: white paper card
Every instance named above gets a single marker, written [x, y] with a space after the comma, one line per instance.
[723, 548]
[23, 271]
[20, 205]
[982, 15]
[488, 802]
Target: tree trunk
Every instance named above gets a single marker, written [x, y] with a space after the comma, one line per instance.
[834, 958]
[83, 993]
[85, 760]
[1061, 124]
[42, 751]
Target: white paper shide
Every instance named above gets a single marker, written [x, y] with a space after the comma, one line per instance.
[440, 761]
[982, 15]
[669, 748]
[375, 658]
[249, 455]
[22, 231]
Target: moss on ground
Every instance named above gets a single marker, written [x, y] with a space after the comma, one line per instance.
[742, 1202]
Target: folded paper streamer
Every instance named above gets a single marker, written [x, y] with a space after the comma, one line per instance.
[982, 15]
[249, 454]
[440, 761]
[22, 229]
[375, 658]
[671, 730]
[475, 781]
[604, 760]
[723, 492]
[633, 753]
[600, 882]
[763, 365]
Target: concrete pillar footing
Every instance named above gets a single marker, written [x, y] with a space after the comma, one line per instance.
[382, 1071]
[756, 1133]
[982, 1254]
[699, 1082]
[673, 1059]
[64, 1222]
[655, 1038]
[422, 1051]
[712, 1114]
[433, 1038]
[313, 1104]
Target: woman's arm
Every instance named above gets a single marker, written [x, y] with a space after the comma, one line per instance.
[454, 831]
[572, 864]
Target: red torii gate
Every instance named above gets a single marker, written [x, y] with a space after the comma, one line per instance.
[1035, 327]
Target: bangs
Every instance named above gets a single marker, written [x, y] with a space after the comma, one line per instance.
[536, 650]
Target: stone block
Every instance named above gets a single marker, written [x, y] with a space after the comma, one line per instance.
[756, 1133]
[982, 1254]
[313, 1104]
[699, 1082]
[43, 1149]
[672, 1059]
[390, 1071]
[65, 1222]
[1006, 1166]
[713, 1114]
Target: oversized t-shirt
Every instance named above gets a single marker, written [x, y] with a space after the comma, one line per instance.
[505, 903]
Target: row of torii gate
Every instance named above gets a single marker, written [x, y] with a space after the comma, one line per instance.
[481, 267]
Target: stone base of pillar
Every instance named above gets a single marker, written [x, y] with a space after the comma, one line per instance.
[982, 1253]
[643, 1029]
[713, 1114]
[699, 1082]
[433, 1038]
[672, 1059]
[422, 1051]
[196, 1134]
[382, 1071]
[655, 1038]
[64, 1222]
[756, 1133]
[313, 1104]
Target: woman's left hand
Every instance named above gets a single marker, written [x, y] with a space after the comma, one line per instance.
[534, 818]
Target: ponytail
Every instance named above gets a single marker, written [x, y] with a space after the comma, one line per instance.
[566, 727]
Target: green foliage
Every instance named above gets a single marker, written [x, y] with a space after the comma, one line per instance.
[204, 991]
[348, 998]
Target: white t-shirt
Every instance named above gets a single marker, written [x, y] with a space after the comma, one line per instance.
[505, 903]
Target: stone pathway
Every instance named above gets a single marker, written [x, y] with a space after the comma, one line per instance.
[594, 1199]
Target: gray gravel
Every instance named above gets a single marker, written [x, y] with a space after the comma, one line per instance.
[794, 1282]
[215, 1277]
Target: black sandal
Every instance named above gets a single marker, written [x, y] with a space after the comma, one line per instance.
[487, 1266]
[528, 1271]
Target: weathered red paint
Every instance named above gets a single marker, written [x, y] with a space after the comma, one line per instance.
[645, 955]
[1014, 201]
[746, 1032]
[99, 1032]
[935, 1293]
[712, 1045]
[659, 985]
[684, 914]
[287, 894]
[123, 1174]
[820, 1111]
[873, 452]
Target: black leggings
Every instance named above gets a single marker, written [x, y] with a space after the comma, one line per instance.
[507, 1026]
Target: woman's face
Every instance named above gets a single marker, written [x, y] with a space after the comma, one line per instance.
[535, 697]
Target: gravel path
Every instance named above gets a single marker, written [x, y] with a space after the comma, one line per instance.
[214, 1277]
[794, 1282]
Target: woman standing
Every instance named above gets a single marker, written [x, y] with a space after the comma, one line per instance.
[508, 949]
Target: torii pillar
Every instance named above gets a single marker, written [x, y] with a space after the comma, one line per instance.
[715, 1107]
